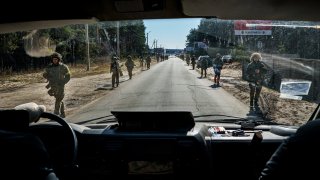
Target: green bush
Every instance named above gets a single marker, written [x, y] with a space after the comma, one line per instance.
[240, 54]
[242, 58]
[212, 51]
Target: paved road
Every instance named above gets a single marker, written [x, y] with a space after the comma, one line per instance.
[167, 86]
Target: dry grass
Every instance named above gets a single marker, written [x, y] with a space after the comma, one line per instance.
[81, 70]
[11, 80]
[283, 111]
[16, 80]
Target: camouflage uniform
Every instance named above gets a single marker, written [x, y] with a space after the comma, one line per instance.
[141, 61]
[193, 61]
[182, 57]
[57, 75]
[188, 60]
[204, 66]
[255, 75]
[130, 65]
[217, 67]
[148, 60]
[115, 69]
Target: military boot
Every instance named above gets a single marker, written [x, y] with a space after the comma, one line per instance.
[62, 113]
[251, 101]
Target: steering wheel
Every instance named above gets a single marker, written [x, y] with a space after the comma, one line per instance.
[71, 135]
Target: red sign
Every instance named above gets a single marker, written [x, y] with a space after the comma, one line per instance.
[252, 27]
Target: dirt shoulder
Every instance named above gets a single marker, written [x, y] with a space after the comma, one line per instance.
[84, 87]
[279, 110]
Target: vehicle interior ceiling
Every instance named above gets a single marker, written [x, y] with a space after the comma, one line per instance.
[41, 16]
[105, 153]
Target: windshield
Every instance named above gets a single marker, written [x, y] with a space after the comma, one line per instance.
[83, 72]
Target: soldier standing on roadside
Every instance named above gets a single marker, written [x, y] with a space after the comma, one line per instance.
[255, 74]
[193, 61]
[204, 66]
[148, 60]
[58, 75]
[115, 70]
[130, 65]
[141, 61]
[217, 67]
[158, 57]
[188, 60]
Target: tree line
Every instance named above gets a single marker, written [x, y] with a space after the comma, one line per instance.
[29, 50]
[297, 38]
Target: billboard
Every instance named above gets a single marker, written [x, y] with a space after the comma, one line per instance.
[188, 49]
[200, 45]
[294, 89]
[252, 27]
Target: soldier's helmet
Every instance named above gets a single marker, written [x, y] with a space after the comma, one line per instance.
[255, 57]
[114, 58]
[56, 55]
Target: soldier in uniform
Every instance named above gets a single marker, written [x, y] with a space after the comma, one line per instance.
[158, 57]
[141, 61]
[255, 74]
[193, 61]
[130, 65]
[115, 70]
[217, 67]
[148, 60]
[204, 66]
[58, 75]
[188, 60]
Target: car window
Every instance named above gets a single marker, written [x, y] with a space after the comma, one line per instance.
[143, 65]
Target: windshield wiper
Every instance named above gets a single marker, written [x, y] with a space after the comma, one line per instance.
[235, 118]
[103, 119]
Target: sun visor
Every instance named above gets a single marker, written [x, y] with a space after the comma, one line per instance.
[32, 25]
[253, 9]
[139, 5]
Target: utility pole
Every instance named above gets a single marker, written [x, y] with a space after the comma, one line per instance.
[118, 39]
[156, 47]
[148, 42]
[88, 50]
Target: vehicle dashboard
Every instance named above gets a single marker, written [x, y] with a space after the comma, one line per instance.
[104, 151]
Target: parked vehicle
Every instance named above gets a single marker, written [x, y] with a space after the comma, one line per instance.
[227, 59]
[206, 58]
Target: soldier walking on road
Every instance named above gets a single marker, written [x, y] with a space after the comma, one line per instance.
[115, 70]
[148, 61]
[193, 61]
[188, 60]
[217, 67]
[130, 65]
[158, 57]
[255, 74]
[204, 66]
[58, 75]
[141, 61]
